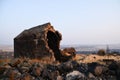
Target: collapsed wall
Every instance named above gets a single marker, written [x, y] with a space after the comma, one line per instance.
[42, 41]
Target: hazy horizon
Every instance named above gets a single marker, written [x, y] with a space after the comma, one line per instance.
[82, 22]
[78, 47]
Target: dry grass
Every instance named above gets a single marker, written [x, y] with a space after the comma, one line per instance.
[81, 58]
[40, 61]
[32, 61]
[94, 58]
[4, 61]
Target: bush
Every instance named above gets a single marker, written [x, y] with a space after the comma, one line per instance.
[101, 52]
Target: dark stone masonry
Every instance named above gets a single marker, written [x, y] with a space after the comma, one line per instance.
[40, 42]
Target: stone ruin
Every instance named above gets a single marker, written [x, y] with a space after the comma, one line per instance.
[41, 42]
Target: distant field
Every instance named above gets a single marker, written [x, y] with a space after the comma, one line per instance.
[95, 58]
[8, 48]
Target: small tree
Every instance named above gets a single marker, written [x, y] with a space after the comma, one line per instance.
[101, 52]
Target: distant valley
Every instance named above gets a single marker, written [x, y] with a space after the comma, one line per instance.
[10, 48]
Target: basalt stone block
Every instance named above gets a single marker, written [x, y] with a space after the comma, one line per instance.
[42, 41]
[69, 52]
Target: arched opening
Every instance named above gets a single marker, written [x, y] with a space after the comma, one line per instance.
[53, 43]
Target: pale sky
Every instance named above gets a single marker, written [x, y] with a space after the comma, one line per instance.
[79, 21]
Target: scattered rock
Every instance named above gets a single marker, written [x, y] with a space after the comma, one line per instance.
[83, 68]
[65, 67]
[12, 73]
[75, 75]
[70, 70]
[92, 66]
[98, 70]
[59, 78]
[14, 62]
[50, 74]
[2, 70]
[37, 69]
[91, 76]
[24, 66]
[25, 76]
[69, 52]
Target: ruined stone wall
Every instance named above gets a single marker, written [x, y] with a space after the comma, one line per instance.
[38, 42]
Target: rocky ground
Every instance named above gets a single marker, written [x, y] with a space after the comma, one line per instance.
[83, 67]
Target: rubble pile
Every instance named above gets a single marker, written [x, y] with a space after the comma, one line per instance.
[71, 70]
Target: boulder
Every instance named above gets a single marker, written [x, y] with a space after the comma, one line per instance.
[75, 75]
[37, 68]
[69, 52]
[83, 68]
[98, 70]
[50, 73]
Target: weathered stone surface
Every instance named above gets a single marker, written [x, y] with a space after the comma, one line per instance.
[59, 78]
[37, 68]
[69, 51]
[42, 41]
[75, 75]
[14, 62]
[71, 70]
